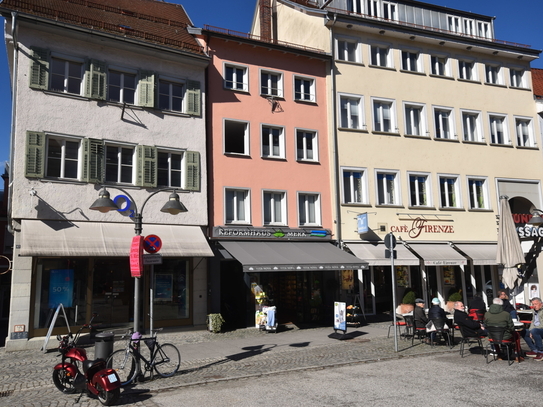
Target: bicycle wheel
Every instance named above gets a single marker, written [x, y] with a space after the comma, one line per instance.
[125, 364]
[167, 360]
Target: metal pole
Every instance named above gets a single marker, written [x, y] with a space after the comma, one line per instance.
[138, 226]
[394, 298]
[151, 299]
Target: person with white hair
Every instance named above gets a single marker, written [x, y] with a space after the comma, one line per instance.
[496, 316]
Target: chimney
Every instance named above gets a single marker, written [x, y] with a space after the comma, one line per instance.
[265, 20]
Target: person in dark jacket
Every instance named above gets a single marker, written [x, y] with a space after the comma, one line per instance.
[435, 311]
[477, 308]
[468, 326]
[419, 315]
[507, 306]
[496, 316]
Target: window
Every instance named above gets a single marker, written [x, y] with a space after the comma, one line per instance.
[271, 84]
[120, 164]
[389, 11]
[498, 130]
[478, 194]
[121, 87]
[354, 186]
[235, 78]
[449, 192]
[309, 209]
[383, 116]
[237, 205]
[454, 24]
[466, 70]
[380, 56]
[410, 61]
[469, 27]
[524, 132]
[440, 65]
[415, 121]
[354, 6]
[63, 157]
[419, 189]
[493, 74]
[483, 30]
[66, 76]
[169, 167]
[517, 78]
[351, 112]
[347, 50]
[304, 89]
[443, 123]
[275, 208]
[372, 8]
[387, 188]
[170, 95]
[273, 142]
[306, 145]
[236, 137]
[472, 127]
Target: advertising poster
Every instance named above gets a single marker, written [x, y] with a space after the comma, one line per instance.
[402, 276]
[61, 288]
[448, 275]
[163, 287]
[347, 280]
[340, 322]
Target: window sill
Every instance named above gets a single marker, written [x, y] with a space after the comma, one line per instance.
[356, 204]
[272, 96]
[417, 137]
[481, 143]
[301, 161]
[497, 85]
[308, 102]
[469, 81]
[60, 180]
[389, 206]
[173, 113]
[479, 210]
[238, 155]
[316, 225]
[450, 208]
[236, 90]
[386, 133]
[433, 75]
[419, 207]
[519, 88]
[510, 145]
[413, 72]
[387, 68]
[450, 140]
[350, 62]
[68, 95]
[354, 130]
[528, 148]
[274, 158]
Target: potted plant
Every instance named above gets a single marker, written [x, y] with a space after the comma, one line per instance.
[455, 296]
[408, 302]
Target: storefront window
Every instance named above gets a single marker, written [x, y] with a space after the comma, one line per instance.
[171, 290]
[60, 281]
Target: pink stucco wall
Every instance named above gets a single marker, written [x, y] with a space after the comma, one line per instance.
[255, 172]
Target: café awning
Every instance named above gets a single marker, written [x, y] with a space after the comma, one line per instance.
[291, 256]
[481, 254]
[435, 254]
[374, 254]
[105, 239]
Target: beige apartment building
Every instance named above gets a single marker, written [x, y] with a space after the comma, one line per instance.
[433, 120]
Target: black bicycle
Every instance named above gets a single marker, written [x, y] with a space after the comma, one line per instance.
[164, 358]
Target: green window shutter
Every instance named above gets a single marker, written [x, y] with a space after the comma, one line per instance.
[93, 160]
[192, 170]
[39, 68]
[96, 79]
[146, 89]
[147, 166]
[193, 98]
[35, 151]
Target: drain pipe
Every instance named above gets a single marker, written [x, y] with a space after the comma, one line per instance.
[13, 109]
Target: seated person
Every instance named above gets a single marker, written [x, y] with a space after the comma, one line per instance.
[436, 312]
[467, 324]
[507, 306]
[496, 316]
[477, 307]
[534, 334]
[419, 315]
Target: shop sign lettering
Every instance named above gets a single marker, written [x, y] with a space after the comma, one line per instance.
[420, 225]
[529, 231]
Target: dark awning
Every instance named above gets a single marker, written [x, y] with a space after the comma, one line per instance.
[291, 256]
[374, 254]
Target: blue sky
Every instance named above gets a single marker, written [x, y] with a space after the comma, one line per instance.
[517, 21]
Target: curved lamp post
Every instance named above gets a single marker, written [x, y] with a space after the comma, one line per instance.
[104, 204]
[536, 220]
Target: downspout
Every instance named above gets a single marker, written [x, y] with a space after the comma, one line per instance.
[13, 115]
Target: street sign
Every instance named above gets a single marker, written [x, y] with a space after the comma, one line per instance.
[390, 241]
[388, 252]
[152, 244]
[152, 259]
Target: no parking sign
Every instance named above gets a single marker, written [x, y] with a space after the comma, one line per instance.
[152, 244]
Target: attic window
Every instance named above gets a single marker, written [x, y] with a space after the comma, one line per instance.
[125, 27]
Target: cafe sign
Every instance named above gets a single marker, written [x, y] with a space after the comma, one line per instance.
[271, 233]
[419, 226]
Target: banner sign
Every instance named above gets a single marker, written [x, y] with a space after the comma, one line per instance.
[61, 288]
[340, 320]
[362, 223]
[136, 256]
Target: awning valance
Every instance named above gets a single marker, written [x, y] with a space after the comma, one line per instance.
[374, 254]
[291, 256]
[65, 238]
[481, 254]
[436, 254]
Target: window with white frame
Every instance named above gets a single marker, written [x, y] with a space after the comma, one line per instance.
[469, 27]
[384, 117]
[419, 190]
[466, 70]
[516, 77]
[274, 207]
[121, 86]
[478, 193]
[525, 137]
[354, 6]
[273, 142]
[410, 61]
[236, 137]
[471, 125]
[309, 212]
[347, 50]
[306, 145]
[388, 191]
[304, 89]
[389, 11]
[236, 205]
[443, 121]
[271, 83]
[354, 186]
[170, 95]
[415, 119]
[449, 191]
[498, 129]
[372, 8]
[120, 164]
[169, 169]
[381, 56]
[236, 77]
[493, 74]
[66, 76]
[454, 24]
[63, 158]
[483, 29]
[440, 65]
[351, 112]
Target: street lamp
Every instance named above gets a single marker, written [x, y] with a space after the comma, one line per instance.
[104, 204]
[536, 220]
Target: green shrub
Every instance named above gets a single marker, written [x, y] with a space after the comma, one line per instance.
[455, 297]
[409, 297]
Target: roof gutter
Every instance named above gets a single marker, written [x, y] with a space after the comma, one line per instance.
[14, 16]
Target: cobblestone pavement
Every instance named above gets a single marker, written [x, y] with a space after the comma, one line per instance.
[25, 376]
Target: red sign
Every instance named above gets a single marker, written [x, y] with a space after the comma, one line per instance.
[152, 244]
[136, 256]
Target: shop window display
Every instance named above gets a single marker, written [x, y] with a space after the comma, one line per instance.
[171, 291]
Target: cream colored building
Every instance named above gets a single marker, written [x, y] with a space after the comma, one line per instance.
[433, 120]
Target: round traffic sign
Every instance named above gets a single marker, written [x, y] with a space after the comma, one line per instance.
[152, 244]
[390, 241]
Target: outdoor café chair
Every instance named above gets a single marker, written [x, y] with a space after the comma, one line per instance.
[467, 339]
[495, 337]
[441, 331]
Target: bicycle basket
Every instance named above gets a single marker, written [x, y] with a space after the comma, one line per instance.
[150, 342]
